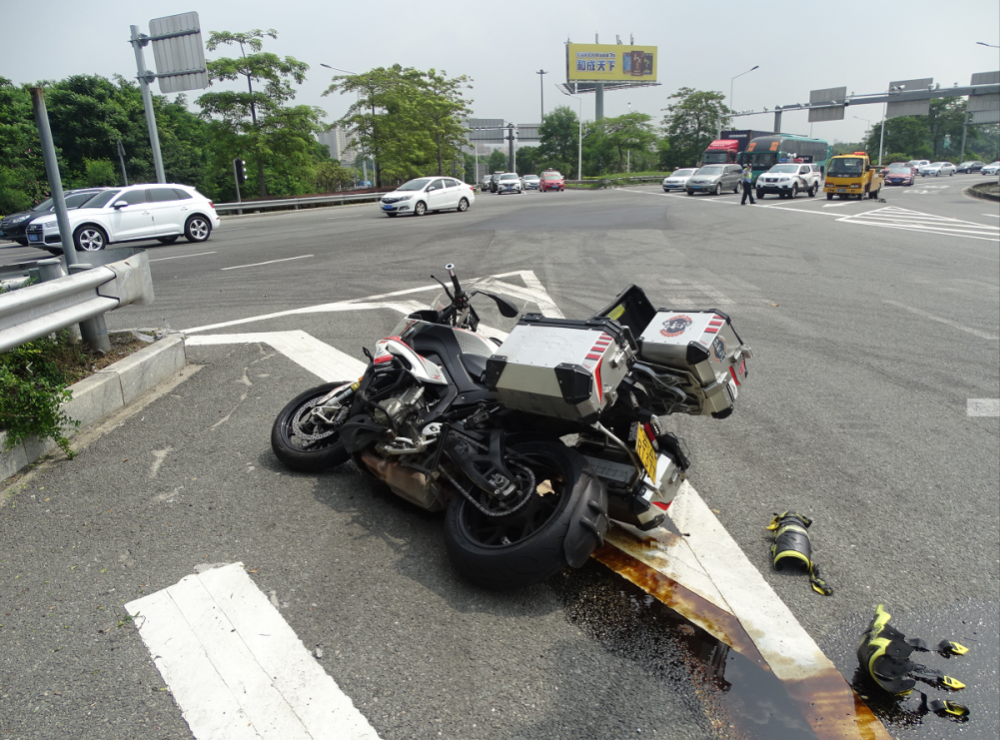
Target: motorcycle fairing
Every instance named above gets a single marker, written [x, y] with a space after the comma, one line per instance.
[416, 365]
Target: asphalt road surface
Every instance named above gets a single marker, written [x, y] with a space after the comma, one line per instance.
[870, 407]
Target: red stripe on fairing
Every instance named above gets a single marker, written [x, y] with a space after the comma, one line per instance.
[382, 358]
[597, 375]
[593, 357]
[711, 330]
[715, 323]
[733, 373]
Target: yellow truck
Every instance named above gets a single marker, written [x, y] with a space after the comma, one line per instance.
[850, 175]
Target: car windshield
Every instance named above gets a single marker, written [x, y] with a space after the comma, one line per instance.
[711, 170]
[846, 167]
[899, 168]
[785, 168]
[415, 184]
[684, 173]
[531, 177]
[509, 177]
[552, 176]
[101, 199]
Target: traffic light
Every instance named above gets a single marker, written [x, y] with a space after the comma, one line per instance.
[241, 170]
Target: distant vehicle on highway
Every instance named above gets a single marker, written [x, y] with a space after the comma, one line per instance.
[551, 180]
[164, 212]
[990, 169]
[970, 167]
[485, 184]
[900, 173]
[509, 182]
[425, 194]
[678, 179]
[918, 163]
[936, 169]
[530, 182]
[788, 180]
[15, 226]
[714, 178]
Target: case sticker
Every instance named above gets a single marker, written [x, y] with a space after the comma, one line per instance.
[718, 349]
[676, 325]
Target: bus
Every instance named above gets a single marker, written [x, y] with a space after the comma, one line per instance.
[766, 151]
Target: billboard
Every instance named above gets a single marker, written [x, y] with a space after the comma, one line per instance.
[610, 63]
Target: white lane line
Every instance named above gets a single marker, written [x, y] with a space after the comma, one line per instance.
[941, 320]
[982, 407]
[835, 205]
[992, 215]
[269, 262]
[236, 668]
[305, 350]
[181, 257]
[367, 303]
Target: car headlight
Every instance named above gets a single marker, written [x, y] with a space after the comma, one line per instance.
[17, 219]
[404, 197]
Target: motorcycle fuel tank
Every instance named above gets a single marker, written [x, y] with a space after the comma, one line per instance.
[561, 368]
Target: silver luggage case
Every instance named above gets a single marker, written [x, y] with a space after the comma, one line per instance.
[562, 368]
[705, 353]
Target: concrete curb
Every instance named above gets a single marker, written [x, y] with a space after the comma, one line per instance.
[973, 191]
[94, 398]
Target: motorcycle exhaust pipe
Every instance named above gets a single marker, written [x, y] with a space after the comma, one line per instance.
[412, 485]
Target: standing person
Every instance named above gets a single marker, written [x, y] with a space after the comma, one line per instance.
[747, 185]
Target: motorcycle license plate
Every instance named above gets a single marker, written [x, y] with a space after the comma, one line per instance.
[646, 453]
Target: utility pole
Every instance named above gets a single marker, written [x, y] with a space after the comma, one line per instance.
[541, 84]
[147, 101]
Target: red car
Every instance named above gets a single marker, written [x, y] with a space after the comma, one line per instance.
[900, 173]
[551, 180]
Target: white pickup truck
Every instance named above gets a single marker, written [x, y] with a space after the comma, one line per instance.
[790, 179]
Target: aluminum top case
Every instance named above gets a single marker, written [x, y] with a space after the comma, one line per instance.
[705, 348]
[562, 368]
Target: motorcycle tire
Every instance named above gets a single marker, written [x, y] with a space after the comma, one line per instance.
[327, 453]
[539, 540]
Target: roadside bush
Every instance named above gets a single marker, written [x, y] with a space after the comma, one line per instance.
[32, 391]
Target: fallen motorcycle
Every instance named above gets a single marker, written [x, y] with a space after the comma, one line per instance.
[534, 444]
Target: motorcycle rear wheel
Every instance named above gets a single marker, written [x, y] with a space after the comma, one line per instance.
[300, 454]
[551, 531]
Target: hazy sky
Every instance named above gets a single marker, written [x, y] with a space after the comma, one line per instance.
[799, 46]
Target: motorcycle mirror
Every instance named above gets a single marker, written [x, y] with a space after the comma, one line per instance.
[507, 309]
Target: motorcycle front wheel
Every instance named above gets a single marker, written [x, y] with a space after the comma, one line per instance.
[310, 448]
[562, 523]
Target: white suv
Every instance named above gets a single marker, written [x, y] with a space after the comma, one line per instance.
[151, 211]
[509, 182]
[790, 179]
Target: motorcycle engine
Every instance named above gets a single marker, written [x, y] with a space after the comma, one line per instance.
[395, 410]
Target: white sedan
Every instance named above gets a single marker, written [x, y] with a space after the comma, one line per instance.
[990, 169]
[936, 169]
[428, 194]
[678, 180]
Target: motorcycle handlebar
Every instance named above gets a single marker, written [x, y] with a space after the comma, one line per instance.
[450, 267]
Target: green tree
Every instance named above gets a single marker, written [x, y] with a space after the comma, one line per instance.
[559, 139]
[628, 133]
[258, 121]
[497, 161]
[409, 122]
[22, 171]
[692, 122]
[529, 160]
[331, 176]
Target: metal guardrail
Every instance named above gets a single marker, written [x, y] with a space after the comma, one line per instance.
[89, 291]
[296, 203]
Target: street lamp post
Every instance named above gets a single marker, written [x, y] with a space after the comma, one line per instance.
[541, 86]
[866, 121]
[731, 81]
[579, 150]
[364, 162]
